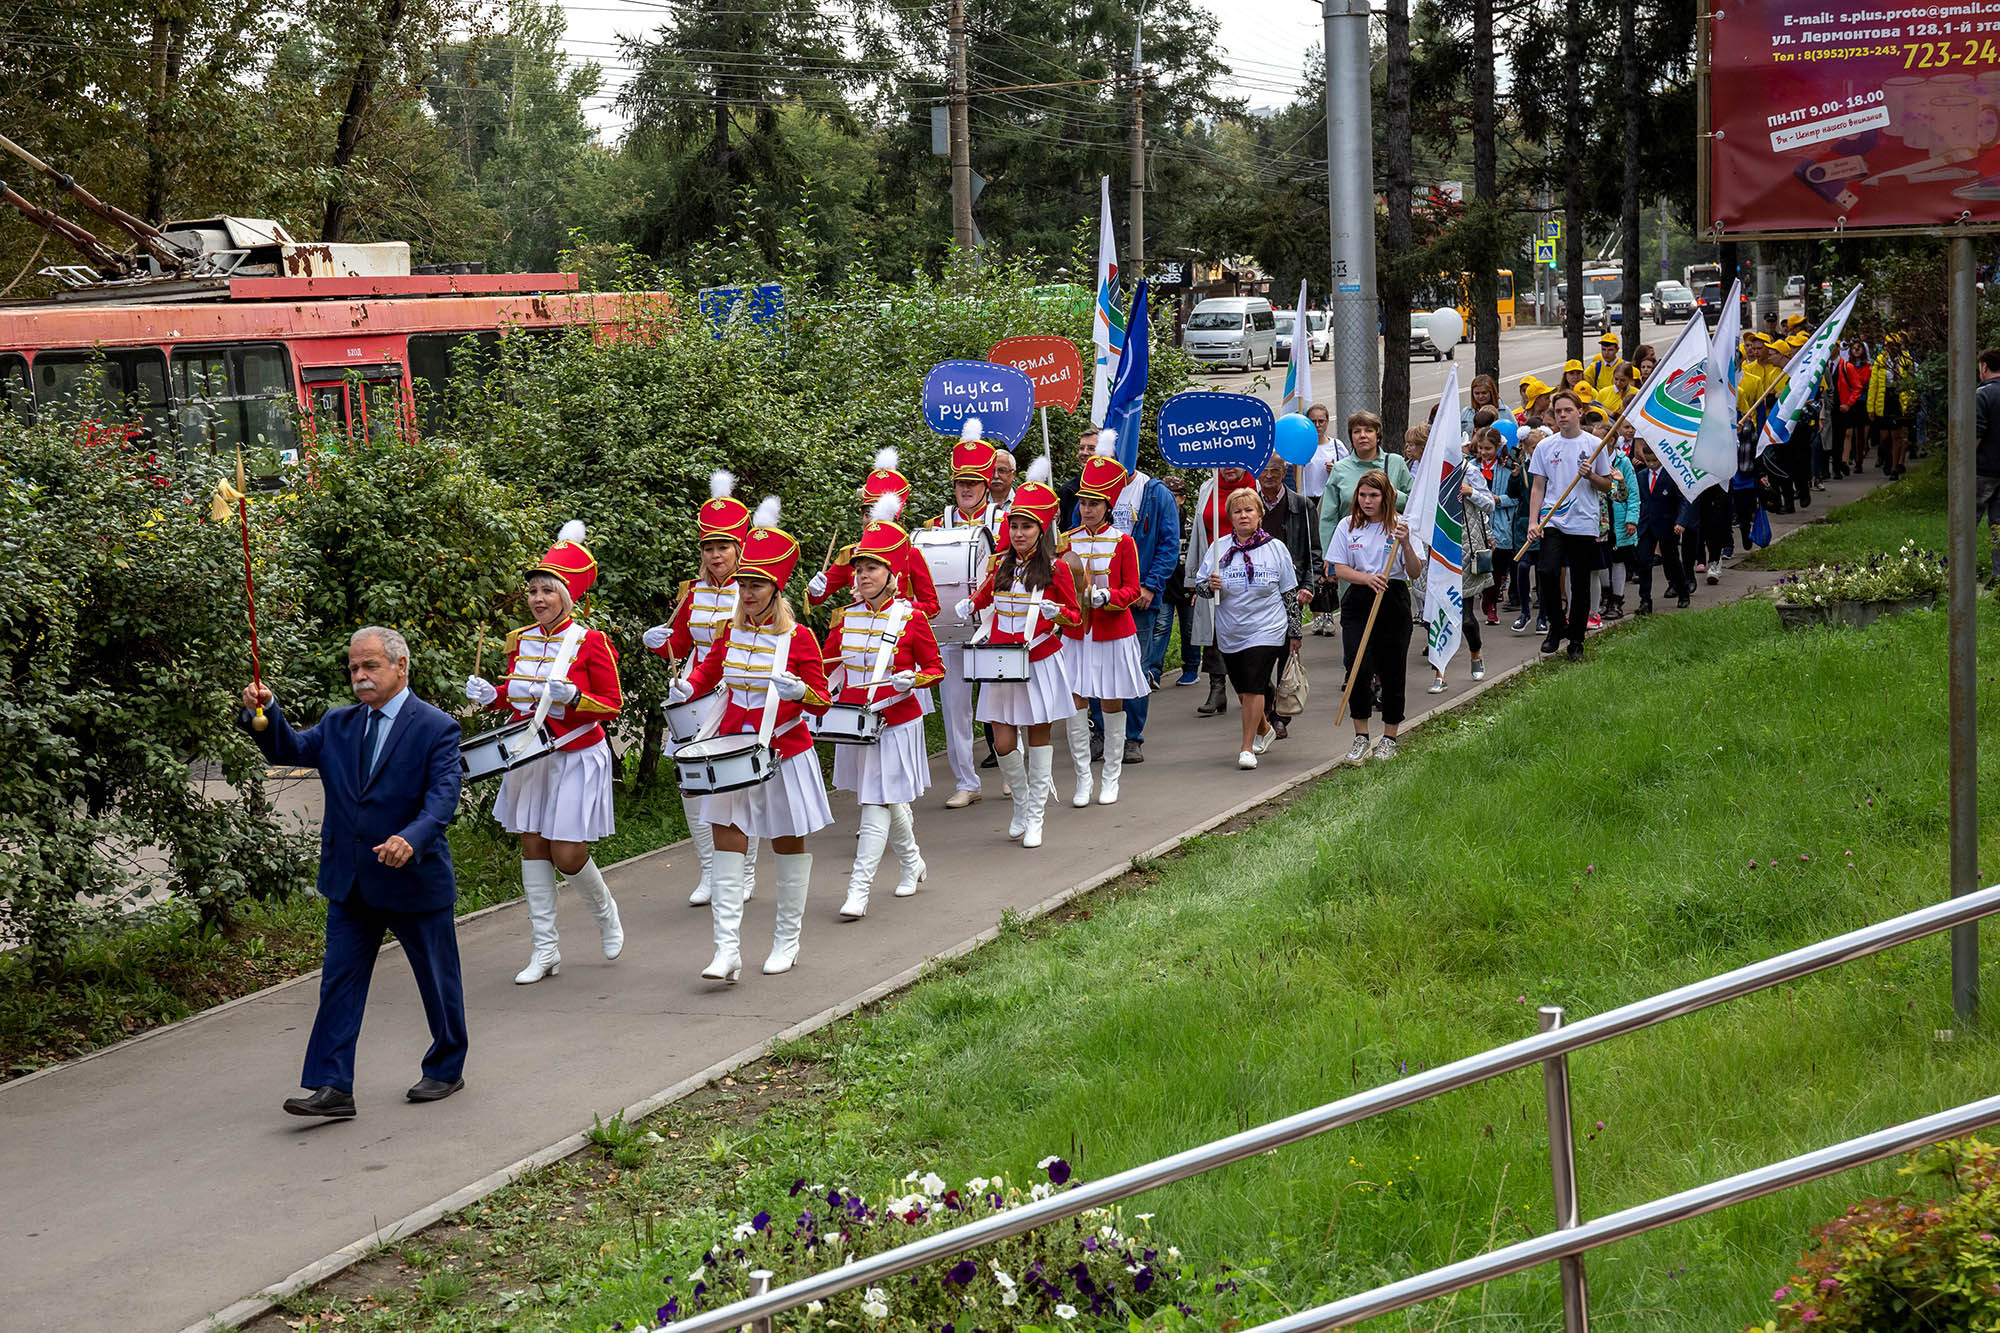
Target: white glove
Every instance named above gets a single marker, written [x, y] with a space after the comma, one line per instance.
[679, 691]
[559, 691]
[790, 688]
[656, 637]
[1051, 611]
[965, 608]
[904, 681]
[480, 690]
[817, 587]
[1100, 596]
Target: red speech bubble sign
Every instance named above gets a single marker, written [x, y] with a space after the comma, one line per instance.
[1052, 363]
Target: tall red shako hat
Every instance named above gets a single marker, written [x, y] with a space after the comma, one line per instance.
[885, 482]
[972, 459]
[724, 517]
[569, 561]
[884, 539]
[768, 552]
[1103, 476]
[1034, 498]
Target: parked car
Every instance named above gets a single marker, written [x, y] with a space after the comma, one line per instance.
[1711, 305]
[1672, 301]
[1795, 287]
[1319, 334]
[1594, 314]
[1645, 305]
[1239, 331]
[1420, 339]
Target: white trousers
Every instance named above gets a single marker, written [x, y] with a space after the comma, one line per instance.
[955, 704]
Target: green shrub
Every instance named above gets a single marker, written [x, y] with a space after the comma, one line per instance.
[1907, 1264]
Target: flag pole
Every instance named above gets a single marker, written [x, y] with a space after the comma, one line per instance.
[1046, 451]
[259, 722]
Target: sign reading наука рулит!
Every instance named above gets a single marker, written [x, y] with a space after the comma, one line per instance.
[1199, 429]
[1001, 397]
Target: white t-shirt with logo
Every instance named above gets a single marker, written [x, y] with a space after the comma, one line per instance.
[1558, 460]
[1364, 548]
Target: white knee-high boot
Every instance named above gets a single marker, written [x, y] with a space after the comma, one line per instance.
[875, 824]
[794, 875]
[596, 895]
[750, 871]
[703, 838]
[1015, 766]
[1041, 765]
[727, 909]
[903, 840]
[1079, 754]
[538, 881]
[1114, 757]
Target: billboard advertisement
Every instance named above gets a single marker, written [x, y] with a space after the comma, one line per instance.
[1830, 118]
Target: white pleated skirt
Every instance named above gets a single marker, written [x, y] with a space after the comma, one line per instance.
[1105, 668]
[1045, 696]
[790, 804]
[893, 770]
[565, 796]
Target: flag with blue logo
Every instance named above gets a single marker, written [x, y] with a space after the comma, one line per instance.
[1437, 521]
[1299, 373]
[1107, 325]
[1128, 394]
[1714, 457]
[1802, 374]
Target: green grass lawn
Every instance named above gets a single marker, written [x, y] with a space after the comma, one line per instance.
[1706, 791]
[1882, 520]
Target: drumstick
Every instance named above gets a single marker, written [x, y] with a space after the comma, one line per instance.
[672, 667]
[479, 649]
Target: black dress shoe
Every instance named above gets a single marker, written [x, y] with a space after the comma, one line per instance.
[1552, 645]
[433, 1089]
[1135, 751]
[990, 761]
[331, 1103]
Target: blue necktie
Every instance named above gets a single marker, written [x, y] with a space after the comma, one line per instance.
[368, 744]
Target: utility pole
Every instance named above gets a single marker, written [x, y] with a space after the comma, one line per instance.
[1962, 599]
[1139, 154]
[1663, 238]
[961, 145]
[1352, 309]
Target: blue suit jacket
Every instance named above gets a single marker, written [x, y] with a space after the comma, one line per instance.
[1660, 505]
[414, 793]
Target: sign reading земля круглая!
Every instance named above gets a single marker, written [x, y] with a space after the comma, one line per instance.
[1208, 430]
[1828, 117]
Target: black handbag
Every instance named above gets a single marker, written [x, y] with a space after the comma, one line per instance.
[1482, 561]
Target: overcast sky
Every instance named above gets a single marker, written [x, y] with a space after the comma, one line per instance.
[1264, 43]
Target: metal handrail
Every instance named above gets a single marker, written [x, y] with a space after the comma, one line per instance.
[1543, 1047]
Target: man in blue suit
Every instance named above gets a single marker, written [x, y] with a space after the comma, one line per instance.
[389, 768]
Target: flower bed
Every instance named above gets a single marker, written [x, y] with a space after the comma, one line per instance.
[1855, 595]
[1094, 1271]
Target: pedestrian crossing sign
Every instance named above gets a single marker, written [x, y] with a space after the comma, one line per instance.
[1545, 253]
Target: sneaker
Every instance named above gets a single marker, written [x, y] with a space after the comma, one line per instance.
[1386, 748]
[1188, 676]
[1478, 669]
[1681, 602]
[1700, 567]
[1712, 579]
[1357, 752]
[1492, 617]
[1520, 622]
[1262, 740]
[1135, 751]
[1594, 622]
[1552, 645]
[1245, 759]
[1541, 624]
[1437, 686]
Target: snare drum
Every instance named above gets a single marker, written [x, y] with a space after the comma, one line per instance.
[849, 724]
[997, 662]
[957, 558]
[493, 753]
[691, 717]
[723, 763]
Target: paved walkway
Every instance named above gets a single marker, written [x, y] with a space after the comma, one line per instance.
[157, 1182]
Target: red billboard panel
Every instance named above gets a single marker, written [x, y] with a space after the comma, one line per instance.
[1828, 117]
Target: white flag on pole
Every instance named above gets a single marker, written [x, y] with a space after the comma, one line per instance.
[1298, 374]
[1437, 520]
[1715, 442]
[1107, 325]
[1668, 415]
[1802, 374]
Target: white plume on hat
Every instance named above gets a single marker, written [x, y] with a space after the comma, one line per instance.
[885, 459]
[973, 429]
[1107, 443]
[767, 513]
[721, 484]
[885, 508]
[1039, 472]
[571, 531]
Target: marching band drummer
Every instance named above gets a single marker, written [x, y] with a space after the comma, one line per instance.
[1025, 576]
[888, 775]
[764, 648]
[1101, 652]
[972, 464]
[703, 610]
[561, 803]
[913, 574]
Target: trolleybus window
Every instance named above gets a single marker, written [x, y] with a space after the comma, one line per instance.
[134, 382]
[15, 395]
[236, 396]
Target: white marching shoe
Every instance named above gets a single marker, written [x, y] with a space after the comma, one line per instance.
[703, 838]
[1041, 781]
[1114, 757]
[794, 875]
[596, 895]
[1015, 765]
[727, 908]
[903, 841]
[875, 825]
[1079, 754]
[538, 881]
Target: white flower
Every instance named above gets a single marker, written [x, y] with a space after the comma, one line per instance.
[1108, 1233]
[744, 1231]
[815, 1306]
[977, 1184]
[1173, 1252]
[875, 1304]
[1010, 1297]
[933, 1184]
[910, 1179]
[1006, 1282]
[698, 1274]
[1146, 1217]
[1042, 1191]
[1065, 1312]
[1044, 1163]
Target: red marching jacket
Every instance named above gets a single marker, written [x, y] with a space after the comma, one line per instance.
[913, 580]
[854, 641]
[531, 654]
[1112, 555]
[701, 613]
[1010, 620]
[741, 661]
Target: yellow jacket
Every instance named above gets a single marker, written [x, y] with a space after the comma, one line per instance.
[1757, 379]
[1599, 374]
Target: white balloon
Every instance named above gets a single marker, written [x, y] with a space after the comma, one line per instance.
[1444, 325]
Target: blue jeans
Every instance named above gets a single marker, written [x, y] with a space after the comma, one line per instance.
[1153, 653]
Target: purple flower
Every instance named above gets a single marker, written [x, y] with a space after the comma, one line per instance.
[798, 1185]
[1142, 1280]
[962, 1272]
[1058, 1172]
[670, 1311]
[760, 1221]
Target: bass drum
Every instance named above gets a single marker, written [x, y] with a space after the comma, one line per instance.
[957, 558]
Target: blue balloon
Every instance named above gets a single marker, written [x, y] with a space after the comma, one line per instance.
[1298, 439]
[1508, 430]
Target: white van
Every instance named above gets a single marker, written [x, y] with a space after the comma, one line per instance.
[1237, 331]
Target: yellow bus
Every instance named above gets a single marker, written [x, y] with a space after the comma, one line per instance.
[1455, 290]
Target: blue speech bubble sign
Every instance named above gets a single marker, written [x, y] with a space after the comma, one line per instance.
[1209, 430]
[1002, 397]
